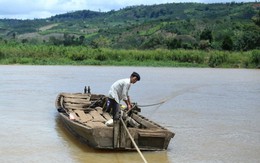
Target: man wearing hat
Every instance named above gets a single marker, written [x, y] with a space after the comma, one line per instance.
[118, 92]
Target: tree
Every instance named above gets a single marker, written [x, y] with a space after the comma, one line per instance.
[227, 43]
[14, 35]
[206, 35]
[204, 45]
[153, 42]
[81, 39]
[68, 39]
[257, 19]
[53, 40]
[249, 40]
[24, 41]
[100, 42]
[174, 43]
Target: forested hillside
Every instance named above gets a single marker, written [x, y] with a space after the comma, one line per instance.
[174, 34]
[228, 26]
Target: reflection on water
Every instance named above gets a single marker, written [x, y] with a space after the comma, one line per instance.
[214, 113]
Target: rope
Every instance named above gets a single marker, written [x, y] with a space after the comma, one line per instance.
[136, 147]
[175, 94]
[159, 103]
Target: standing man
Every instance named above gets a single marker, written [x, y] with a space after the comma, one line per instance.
[119, 91]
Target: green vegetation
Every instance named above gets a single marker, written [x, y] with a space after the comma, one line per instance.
[17, 53]
[172, 34]
[220, 26]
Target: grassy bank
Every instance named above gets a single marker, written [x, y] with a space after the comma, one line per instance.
[14, 53]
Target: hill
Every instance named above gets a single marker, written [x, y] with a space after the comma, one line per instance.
[228, 26]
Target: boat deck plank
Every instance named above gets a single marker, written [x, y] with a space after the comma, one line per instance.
[82, 116]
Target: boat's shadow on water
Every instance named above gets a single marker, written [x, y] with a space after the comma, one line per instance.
[83, 150]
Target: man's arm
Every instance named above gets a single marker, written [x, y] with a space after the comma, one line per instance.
[128, 103]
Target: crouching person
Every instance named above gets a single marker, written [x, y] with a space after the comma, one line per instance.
[118, 92]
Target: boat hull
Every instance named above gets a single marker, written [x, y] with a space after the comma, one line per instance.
[150, 136]
[99, 138]
[102, 138]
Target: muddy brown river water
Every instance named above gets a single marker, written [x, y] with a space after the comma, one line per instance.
[215, 113]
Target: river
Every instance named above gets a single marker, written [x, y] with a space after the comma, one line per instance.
[215, 113]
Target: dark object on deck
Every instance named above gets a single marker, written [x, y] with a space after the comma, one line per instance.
[83, 115]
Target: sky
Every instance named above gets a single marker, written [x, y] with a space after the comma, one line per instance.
[31, 9]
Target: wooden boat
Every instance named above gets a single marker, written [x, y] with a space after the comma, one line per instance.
[83, 116]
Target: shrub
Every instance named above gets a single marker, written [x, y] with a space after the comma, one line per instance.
[77, 56]
[2, 55]
[255, 57]
[101, 57]
[227, 43]
[217, 59]
[187, 56]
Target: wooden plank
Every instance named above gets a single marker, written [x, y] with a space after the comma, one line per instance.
[116, 134]
[122, 137]
[75, 95]
[73, 108]
[106, 115]
[82, 116]
[77, 101]
[95, 124]
[97, 117]
[67, 104]
[99, 110]
[143, 122]
[152, 134]
[95, 97]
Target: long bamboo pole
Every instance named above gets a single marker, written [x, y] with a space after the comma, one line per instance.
[136, 147]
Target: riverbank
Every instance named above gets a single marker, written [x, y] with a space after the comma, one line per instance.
[79, 55]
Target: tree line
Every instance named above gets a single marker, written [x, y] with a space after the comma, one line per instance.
[230, 26]
[18, 53]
